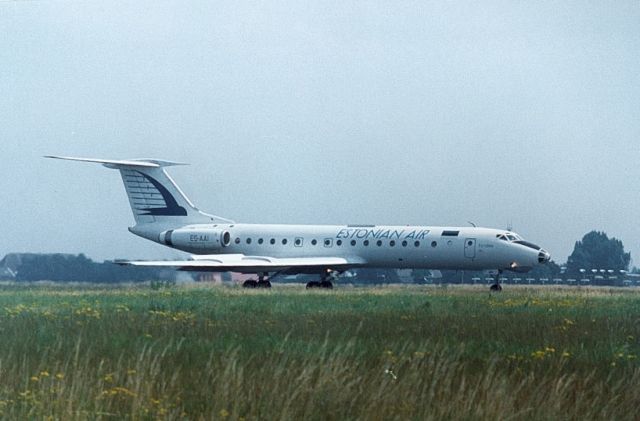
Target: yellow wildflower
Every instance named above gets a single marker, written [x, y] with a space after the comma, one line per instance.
[538, 355]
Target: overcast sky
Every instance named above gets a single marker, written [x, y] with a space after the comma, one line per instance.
[430, 113]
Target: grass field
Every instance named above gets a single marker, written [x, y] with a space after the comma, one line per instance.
[384, 353]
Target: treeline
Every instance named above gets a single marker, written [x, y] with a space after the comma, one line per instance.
[79, 268]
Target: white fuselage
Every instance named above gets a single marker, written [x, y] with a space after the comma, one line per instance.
[373, 246]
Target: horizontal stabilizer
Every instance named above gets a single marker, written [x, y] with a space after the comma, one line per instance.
[119, 163]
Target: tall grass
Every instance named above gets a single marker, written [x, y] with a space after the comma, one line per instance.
[387, 353]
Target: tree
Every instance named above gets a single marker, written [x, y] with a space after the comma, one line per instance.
[598, 251]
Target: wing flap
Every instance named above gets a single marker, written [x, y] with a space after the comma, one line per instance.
[251, 264]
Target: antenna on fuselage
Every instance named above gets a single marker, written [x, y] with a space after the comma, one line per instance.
[472, 224]
[510, 226]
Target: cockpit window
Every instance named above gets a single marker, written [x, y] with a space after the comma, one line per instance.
[509, 236]
[527, 244]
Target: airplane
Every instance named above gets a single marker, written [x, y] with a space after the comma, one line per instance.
[164, 214]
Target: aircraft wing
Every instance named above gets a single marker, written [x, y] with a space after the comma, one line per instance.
[253, 264]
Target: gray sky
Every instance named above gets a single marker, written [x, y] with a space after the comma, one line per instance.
[432, 113]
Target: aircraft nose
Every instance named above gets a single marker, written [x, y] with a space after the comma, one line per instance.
[543, 256]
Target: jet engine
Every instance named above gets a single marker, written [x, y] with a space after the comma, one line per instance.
[195, 239]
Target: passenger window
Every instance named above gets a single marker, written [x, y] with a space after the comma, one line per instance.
[365, 243]
[248, 240]
[260, 241]
[404, 243]
[272, 241]
[353, 242]
[284, 241]
[237, 240]
[392, 243]
[298, 242]
[328, 242]
[434, 244]
[314, 242]
[339, 243]
[379, 243]
[417, 244]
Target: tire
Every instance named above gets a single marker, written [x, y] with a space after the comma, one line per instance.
[326, 285]
[250, 283]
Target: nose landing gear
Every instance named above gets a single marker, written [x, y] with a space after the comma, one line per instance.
[496, 287]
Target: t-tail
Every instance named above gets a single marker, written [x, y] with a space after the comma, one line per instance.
[156, 200]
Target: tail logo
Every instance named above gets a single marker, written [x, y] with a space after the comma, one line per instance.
[150, 197]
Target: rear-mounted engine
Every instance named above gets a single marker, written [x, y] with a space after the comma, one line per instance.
[193, 239]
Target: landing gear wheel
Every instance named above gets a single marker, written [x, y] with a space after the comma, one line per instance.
[320, 284]
[263, 284]
[250, 283]
[496, 287]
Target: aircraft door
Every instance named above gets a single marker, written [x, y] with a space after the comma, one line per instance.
[470, 248]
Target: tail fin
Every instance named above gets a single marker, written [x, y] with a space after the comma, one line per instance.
[154, 197]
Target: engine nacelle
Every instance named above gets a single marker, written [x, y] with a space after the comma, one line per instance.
[196, 239]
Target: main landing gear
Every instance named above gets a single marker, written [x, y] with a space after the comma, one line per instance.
[260, 283]
[324, 281]
[496, 287]
[320, 284]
